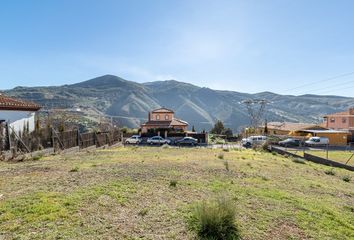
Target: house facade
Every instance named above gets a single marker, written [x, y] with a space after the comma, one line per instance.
[18, 113]
[340, 120]
[163, 120]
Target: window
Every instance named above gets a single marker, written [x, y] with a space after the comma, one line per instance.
[157, 117]
[166, 117]
[344, 120]
[333, 120]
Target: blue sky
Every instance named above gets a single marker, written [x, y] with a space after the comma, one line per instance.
[247, 46]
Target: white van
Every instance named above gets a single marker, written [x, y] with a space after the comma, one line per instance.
[317, 141]
[253, 140]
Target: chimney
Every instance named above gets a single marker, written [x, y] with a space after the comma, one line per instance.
[351, 111]
[149, 116]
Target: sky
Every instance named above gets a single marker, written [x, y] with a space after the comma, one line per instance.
[283, 46]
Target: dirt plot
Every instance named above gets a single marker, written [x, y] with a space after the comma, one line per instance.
[126, 193]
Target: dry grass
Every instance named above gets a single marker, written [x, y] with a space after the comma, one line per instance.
[125, 193]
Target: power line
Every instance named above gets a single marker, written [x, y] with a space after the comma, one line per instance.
[333, 85]
[335, 89]
[320, 81]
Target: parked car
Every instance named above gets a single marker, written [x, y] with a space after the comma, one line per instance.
[290, 142]
[158, 140]
[317, 141]
[187, 141]
[253, 140]
[135, 139]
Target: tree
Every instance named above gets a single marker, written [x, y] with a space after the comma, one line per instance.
[228, 132]
[193, 130]
[266, 127]
[218, 128]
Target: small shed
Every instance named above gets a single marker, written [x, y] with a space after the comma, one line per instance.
[336, 137]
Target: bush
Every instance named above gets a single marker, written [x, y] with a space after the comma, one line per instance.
[173, 183]
[215, 220]
[330, 172]
[221, 156]
[346, 178]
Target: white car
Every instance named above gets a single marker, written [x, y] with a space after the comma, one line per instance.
[253, 140]
[135, 139]
[317, 141]
[158, 140]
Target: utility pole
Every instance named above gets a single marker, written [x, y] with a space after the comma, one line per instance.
[256, 109]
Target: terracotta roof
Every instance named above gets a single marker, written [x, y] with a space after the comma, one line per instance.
[174, 122]
[178, 122]
[162, 110]
[290, 126]
[9, 103]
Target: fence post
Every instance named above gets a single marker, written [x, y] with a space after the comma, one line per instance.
[78, 138]
[8, 136]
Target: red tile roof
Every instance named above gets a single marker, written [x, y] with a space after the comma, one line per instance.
[162, 110]
[290, 126]
[167, 124]
[9, 103]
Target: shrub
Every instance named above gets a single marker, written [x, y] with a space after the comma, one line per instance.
[346, 178]
[299, 160]
[226, 150]
[330, 172]
[173, 183]
[221, 156]
[215, 220]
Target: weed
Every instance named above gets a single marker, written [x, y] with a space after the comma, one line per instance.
[226, 164]
[264, 178]
[143, 212]
[330, 172]
[346, 178]
[299, 160]
[173, 183]
[221, 156]
[215, 220]
[37, 157]
[75, 169]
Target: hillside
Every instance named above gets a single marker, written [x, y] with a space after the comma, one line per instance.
[130, 101]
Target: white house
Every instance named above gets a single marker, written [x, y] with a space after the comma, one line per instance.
[18, 113]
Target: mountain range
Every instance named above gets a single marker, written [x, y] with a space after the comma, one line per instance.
[130, 102]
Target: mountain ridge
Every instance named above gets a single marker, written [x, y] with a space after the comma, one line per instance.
[200, 106]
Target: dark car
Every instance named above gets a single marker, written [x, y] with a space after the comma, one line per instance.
[290, 142]
[187, 141]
